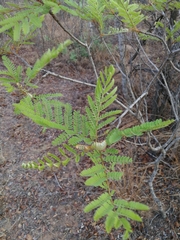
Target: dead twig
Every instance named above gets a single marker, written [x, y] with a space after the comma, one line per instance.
[161, 157]
[57, 181]
[156, 199]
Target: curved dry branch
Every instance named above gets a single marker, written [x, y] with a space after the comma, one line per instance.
[170, 142]
[156, 199]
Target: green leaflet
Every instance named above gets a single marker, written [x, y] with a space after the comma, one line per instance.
[96, 180]
[131, 205]
[77, 118]
[60, 139]
[53, 5]
[9, 88]
[93, 170]
[126, 224]
[118, 159]
[105, 95]
[129, 12]
[105, 197]
[13, 74]
[30, 16]
[25, 26]
[111, 221]
[11, 69]
[116, 176]
[75, 140]
[45, 59]
[50, 160]
[115, 135]
[17, 31]
[129, 214]
[103, 210]
[109, 114]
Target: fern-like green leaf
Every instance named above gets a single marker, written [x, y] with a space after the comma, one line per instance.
[94, 11]
[75, 140]
[114, 175]
[112, 151]
[68, 117]
[102, 100]
[109, 102]
[129, 12]
[108, 96]
[17, 31]
[91, 118]
[93, 106]
[103, 210]
[118, 159]
[105, 122]
[58, 113]
[111, 220]
[60, 139]
[4, 10]
[96, 180]
[105, 197]
[66, 161]
[9, 88]
[108, 88]
[6, 27]
[126, 235]
[13, 74]
[70, 149]
[129, 214]
[9, 65]
[131, 205]
[56, 160]
[54, 114]
[116, 134]
[109, 114]
[117, 222]
[94, 156]
[126, 224]
[93, 170]
[47, 109]
[33, 165]
[50, 161]
[25, 26]
[45, 59]
[84, 126]
[77, 122]
[18, 17]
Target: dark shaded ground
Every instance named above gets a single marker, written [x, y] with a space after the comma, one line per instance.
[49, 205]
